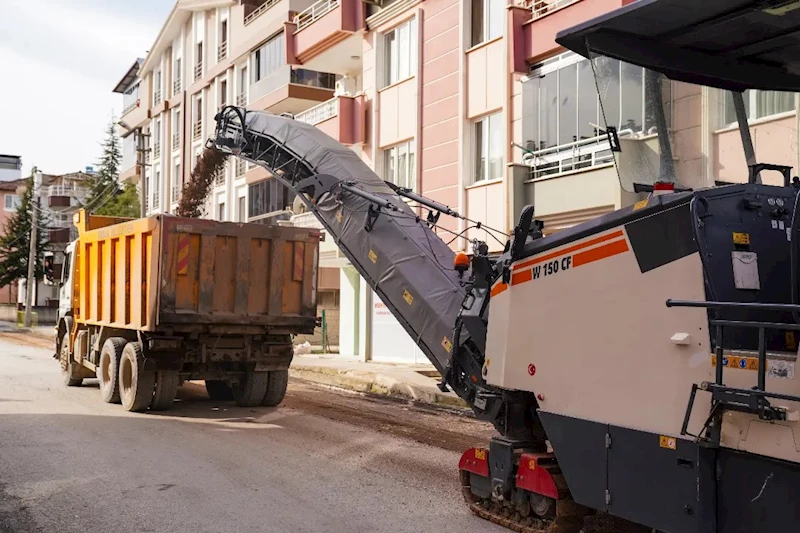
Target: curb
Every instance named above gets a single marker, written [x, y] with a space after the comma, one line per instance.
[369, 382]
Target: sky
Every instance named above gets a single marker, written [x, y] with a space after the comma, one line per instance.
[59, 62]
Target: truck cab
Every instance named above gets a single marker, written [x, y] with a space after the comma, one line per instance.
[65, 289]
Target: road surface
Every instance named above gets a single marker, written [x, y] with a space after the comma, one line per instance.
[325, 461]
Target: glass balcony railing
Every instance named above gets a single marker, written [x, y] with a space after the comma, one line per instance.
[311, 78]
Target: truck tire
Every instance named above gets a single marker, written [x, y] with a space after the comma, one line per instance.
[165, 390]
[219, 390]
[276, 388]
[108, 369]
[67, 365]
[136, 384]
[250, 391]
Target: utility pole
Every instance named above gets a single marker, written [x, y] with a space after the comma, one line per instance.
[30, 283]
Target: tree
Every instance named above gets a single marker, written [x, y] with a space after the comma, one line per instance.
[106, 196]
[196, 191]
[16, 238]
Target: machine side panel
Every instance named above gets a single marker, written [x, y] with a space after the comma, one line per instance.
[659, 240]
[602, 326]
[580, 447]
[756, 493]
[653, 480]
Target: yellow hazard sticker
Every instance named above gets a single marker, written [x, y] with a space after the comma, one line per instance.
[667, 442]
[734, 361]
[640, 205]
[532, 464]
[741, 238]
[408, 298]
[339, 215]
[480, 455]
[447, 345]
[373, 257]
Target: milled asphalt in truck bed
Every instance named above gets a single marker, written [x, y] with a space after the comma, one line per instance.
[69, 462]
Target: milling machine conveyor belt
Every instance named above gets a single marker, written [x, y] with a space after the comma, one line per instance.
[400, 257]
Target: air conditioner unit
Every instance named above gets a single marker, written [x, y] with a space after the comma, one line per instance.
[345, 87]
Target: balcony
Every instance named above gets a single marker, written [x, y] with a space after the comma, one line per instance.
[197, 130]
[341, 117]
[63, 197]
[176, 86]
[257, 12]
[59, 235]
[156, 150]
[540, 8]
[241, 100]
[176, 141]
[222, 51]
[326, 36]
[198, 70]
[131, 107]
[288, 91]
[219, 177]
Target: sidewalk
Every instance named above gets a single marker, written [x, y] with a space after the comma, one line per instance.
[416, 382]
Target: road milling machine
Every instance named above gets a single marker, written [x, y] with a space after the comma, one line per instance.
[640, 366]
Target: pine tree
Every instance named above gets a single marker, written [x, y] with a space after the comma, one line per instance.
[16, 238]
[104, 184]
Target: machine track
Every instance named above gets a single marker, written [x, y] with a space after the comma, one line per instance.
[508, 518]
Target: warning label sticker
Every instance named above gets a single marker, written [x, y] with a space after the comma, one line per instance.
[667, 442]
[776, 368]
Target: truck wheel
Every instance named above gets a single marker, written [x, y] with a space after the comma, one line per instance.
[276, 387]
[250, 391]
[165, 391]
[136, 383]
[67, 366]
[108, 369]
[218, 390]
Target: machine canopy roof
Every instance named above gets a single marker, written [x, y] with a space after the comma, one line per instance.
[729, 44]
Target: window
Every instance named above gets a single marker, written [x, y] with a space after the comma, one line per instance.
[177, 180]
[269, 196]
[561, 110]
[223, 32]
[221, 211]
[223, 92]
[176, 75]
[757, 104]
[268, 58]
[65, 268]
[487, 20]
[242, 208]
[401, 52]
[488, 148]
[12, 202]
[399, 165]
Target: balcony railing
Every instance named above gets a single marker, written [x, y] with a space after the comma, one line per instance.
[155, 199]
[260, 10]
[315, 12]
[311, 78]
[176, 141]
[156, 150]
[157, 97]
[241, 100]
[540, 8]
[175, 192]
[585, 153]
[222, 51]
[176, 86]
[198, 70]
[131, 107]
[240, 168]
[197, 130]
[219, 177]
[75, 191]
[319, 113]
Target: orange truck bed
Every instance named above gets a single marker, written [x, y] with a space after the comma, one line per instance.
[166, 272]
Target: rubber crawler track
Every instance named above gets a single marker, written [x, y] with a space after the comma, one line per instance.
[570, 524]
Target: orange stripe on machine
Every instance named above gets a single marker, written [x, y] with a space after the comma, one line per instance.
[564, 251]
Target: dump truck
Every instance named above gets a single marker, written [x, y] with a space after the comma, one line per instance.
[146, 304]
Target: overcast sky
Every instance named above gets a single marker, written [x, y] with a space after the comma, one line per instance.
[59, 61]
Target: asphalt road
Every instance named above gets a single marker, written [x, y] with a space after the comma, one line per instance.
[325, 461]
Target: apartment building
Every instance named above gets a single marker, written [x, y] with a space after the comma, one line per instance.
[10, 198]
[437, 95]
[10, 167]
